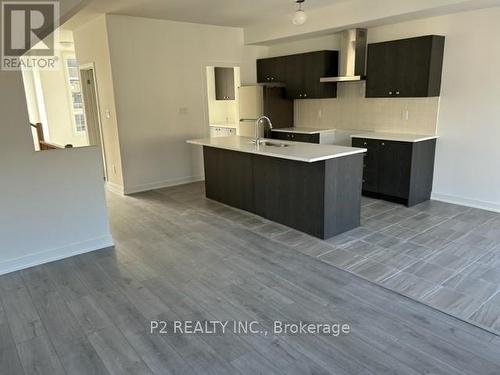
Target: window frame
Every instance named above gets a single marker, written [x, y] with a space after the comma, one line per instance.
[77, 128]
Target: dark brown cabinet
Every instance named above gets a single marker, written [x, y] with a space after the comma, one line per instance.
[270, 70]
[301, 73]
[224, 84]
[398, 171]
[405, 68]
[296, 137]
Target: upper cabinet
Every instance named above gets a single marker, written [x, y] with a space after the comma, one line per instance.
[405, 68]
[301, 74]
[224, 84]
[270, 70]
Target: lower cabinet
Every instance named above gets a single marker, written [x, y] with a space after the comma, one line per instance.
[296, 137]
[398, 171]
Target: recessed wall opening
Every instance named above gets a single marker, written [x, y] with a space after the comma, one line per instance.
[223, 83]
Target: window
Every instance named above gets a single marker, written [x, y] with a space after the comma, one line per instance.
[80, 122]
[77, 100]
[76, 95]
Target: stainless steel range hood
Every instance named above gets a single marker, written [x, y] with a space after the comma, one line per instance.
[352, 60]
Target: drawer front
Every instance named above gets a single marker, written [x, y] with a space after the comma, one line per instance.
[296, 137]
[370, 163]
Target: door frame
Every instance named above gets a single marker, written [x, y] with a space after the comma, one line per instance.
[86, 67]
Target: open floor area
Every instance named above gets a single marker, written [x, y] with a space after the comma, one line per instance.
[180, 256]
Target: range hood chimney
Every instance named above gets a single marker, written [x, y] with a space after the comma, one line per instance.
[352, 60]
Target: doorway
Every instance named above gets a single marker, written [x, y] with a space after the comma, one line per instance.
[92, 114]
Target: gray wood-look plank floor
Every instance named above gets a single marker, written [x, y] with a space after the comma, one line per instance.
[181, 256]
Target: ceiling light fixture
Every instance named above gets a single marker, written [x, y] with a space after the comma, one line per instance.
[300, 16]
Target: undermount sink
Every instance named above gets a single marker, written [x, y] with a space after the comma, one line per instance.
[272, 144]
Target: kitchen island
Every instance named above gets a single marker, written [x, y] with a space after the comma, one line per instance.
[313, 188]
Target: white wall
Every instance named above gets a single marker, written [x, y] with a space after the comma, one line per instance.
[91, 47]
[52, 203]
[325, 42]
[160, 92]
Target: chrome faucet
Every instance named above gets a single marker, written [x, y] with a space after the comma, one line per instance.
[257, 139]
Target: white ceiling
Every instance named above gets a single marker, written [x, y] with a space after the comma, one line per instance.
[237, 13]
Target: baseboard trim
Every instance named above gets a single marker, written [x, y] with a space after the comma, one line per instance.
[161, 184]
[52, 255]
[484, 205]
[114, 188]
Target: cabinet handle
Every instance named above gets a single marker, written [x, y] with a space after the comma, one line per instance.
[397, 92]
[300, 95]
[390, 92]
[305, 95]
[383, 144]
[293, 135]
[365, 144]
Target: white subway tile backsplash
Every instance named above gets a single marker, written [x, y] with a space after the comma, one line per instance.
[351, 110]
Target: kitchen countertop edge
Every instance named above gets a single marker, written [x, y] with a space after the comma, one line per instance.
[397, 137]
[334, 154]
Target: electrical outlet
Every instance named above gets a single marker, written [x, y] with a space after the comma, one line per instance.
[183, 110]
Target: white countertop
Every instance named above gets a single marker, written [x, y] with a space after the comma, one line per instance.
[398, 137]
[303, 130]
[306, 152]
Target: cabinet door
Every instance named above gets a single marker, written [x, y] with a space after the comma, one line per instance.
[230, 91]
[263, 70]
[280, 135]
[381, 66]
[296, 137]
[394, 168]
[307, 138]
[315, 66]
[420, 62]
[270, 70]
[412, 73]
[224, 84]
[294, 76]
[405, 68]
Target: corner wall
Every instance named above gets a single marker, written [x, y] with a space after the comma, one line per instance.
[92, 47]
[52, 202]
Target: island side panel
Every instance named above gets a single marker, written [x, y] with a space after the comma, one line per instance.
[229, 177]
[290, 192]
[422, 172]
[343, 184]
